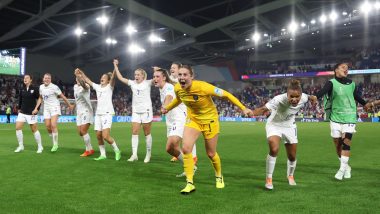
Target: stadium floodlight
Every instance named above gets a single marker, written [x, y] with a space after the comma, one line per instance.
[283, 29]
[247, 40]
[78, 31]
[333, 16]
[303, 24]
[111, 41]
[130, 30]
[313, 21]
[155, 38]
[344, 13]
[256, 37]
[103, 20]
[293, 27]
[365, 7]
[323, 19]
[135, 48]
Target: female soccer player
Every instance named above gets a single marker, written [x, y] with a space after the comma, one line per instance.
[340, 107]
[142, 110]
[175, 119]
[104, 111]
[49, 94]
[85, 115]
[173, 79]
[202, 118]
[27, 101]
[281, 126]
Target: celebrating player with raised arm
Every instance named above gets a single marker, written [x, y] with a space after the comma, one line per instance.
[27, 101]
[142, 110]
[202, 118]
[340, 95]
[104, 111]
[281, 126]
[85, 114]
[49, 94]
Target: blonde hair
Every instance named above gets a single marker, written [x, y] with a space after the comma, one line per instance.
[143, 72]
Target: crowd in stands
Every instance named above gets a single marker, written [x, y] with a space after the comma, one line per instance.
[368, 58]
[251, 96]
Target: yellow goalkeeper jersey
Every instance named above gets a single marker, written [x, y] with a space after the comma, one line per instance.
[198, 99]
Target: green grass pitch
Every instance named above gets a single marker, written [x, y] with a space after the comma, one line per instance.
[66, 183]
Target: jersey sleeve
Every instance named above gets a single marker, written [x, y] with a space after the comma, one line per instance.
[170, 91]
[57, 91]
[131, 82]
[215, 91]
[304, 98]
[273, 104]
[95, 86]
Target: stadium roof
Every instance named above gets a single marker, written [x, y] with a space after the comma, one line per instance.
[195, 32]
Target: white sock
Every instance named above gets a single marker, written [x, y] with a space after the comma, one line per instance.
[194, 151]
[20, 138]
[343, 162]
[135, 144]
[180, 157]
[114, 146]
[37, 137]
[50, 135]
[87, 142]
[102, 149]
[291, 167]
[148, 140]
[271, 162]
[55, 138]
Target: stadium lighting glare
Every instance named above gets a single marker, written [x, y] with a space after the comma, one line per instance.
[256, 37]
[111, 41]
[323, 19]
[155, 38]
[85, 33]
[78, 31]
[135, 48]
[265, 35]
[293, 27]
[377, 5]
[103, 20]
[344, 13]
[365, 7]
[283, 29]
[333, 16]
[247, 40]
[130, 30]
[303, 24]
[312, 21]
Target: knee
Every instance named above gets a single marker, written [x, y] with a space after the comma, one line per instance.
[291, 158]
[82, 133]
[211, 154]
[99, 136]
[273, 151]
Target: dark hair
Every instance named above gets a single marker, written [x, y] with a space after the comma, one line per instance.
[47, 74]
[30, 76]
[294, 85]
[177, 63]
[165, 73]
[339, 64]
[188, 67]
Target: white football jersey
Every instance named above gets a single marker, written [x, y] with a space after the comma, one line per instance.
[179, 111]
[104, 97]
[82, 99]
[49, 95]
[141, 101]
[174, 79]
[282, 112]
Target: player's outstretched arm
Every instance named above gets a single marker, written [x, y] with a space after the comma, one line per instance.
[260, 111]
[174, 103]
[113, 80]
[81, 75]
[117, 72]
[370, 105]
[71, 106]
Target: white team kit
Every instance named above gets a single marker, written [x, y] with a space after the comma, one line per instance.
[50, 95]
[282, 119]
[85, 113]
[338, 129]
[30, 119]
[104, 110]
[142, 110]
[176, 118]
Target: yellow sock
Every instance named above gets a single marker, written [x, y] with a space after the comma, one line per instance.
[188, 166]
[217, 165]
